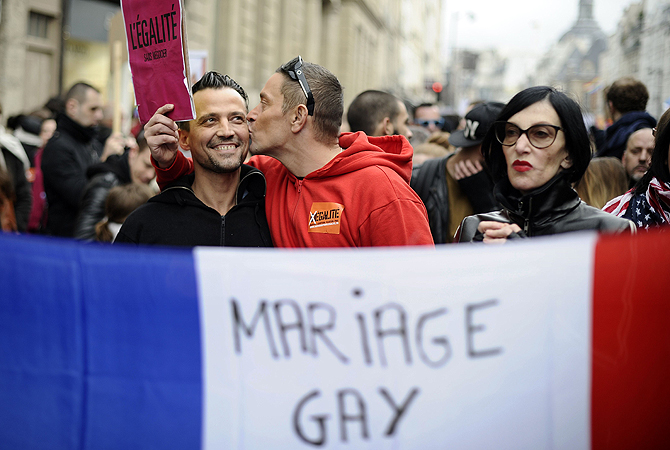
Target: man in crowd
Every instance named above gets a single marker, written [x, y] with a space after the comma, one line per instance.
[323, 191]
[637, 156]
[222, 202]
[69, 153]
[133, 166]
[428, 115]
[626, 103]
[378, 113]
[456, 186]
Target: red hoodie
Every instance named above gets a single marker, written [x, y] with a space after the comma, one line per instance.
[360, 198]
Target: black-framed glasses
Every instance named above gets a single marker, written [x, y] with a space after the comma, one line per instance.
[540, 136]
[294, 70]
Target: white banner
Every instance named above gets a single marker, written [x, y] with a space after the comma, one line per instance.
[459, 347]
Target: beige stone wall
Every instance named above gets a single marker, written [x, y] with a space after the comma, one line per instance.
[28, 65]
[359, 41]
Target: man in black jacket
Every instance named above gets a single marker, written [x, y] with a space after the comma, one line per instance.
[133, 166]
[457, 185]
[69, 153]
[223, 202]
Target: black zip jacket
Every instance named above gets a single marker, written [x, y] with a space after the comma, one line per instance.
[550, 209]
[177, 217]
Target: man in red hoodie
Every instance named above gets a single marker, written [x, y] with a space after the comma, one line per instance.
[323, 191]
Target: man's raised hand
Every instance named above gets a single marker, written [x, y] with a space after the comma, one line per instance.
[162, 137]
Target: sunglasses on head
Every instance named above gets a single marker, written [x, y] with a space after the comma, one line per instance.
[294, 70]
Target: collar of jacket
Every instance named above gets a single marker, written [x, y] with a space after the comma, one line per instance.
[251, 188]
[543, 205]
[79, 133]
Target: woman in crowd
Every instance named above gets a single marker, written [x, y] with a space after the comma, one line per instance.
[648, 203]
[604, 179]
[536, 150]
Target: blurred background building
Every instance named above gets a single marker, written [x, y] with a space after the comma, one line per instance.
[573, 63]
[391, 45]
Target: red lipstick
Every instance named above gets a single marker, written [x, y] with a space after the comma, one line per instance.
[521, 166]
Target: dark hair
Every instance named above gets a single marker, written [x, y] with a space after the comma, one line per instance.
[215, 80]
[121, 201]
[369, 108]
[627, 94]
[577, 142]
[6, 185]
[328, 99]
[78, 92]
[7, 199]
[659, 158]
[141, 141]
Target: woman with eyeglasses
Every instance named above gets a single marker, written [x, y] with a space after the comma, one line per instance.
[536, 150]
[648, 203]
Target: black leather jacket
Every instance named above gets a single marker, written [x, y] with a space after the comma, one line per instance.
[550, 209]
[102, 177]
[429, 181]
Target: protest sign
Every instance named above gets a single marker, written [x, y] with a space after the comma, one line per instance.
[158, 57]
[396, 349]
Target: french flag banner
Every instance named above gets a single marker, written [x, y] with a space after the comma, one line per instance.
[549, 343]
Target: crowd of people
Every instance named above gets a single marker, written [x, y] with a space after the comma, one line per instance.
[289, 173]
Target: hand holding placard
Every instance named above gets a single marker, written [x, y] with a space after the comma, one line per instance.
[162, 137]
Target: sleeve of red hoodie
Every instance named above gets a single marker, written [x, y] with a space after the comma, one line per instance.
[180, 167]
[401, 221]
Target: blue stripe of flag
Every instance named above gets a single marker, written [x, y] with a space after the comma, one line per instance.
[99, 346]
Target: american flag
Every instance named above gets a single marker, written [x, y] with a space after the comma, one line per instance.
[648, 209]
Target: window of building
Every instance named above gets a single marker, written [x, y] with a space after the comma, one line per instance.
[38, 25]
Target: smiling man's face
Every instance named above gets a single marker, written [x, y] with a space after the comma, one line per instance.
[218, 138]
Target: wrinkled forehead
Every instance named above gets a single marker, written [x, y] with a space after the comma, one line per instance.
[225, 99]
[641, 138]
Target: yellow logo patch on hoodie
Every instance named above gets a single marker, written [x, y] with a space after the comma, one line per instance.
[325, 217]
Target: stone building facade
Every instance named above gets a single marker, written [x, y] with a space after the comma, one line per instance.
[30, 33]
[369, 44]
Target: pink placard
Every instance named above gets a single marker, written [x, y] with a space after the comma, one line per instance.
[158, 57]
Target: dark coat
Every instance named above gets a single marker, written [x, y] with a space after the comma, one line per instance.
[66, 157]
[616, 136]
[177, 217]
[551, 209]
[429, 181]
[102, 177]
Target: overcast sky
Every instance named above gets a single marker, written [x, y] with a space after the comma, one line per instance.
[519, 24]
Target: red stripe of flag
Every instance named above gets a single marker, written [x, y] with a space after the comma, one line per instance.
[630, 396]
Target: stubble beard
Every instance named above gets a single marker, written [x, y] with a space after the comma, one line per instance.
[221, 163]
